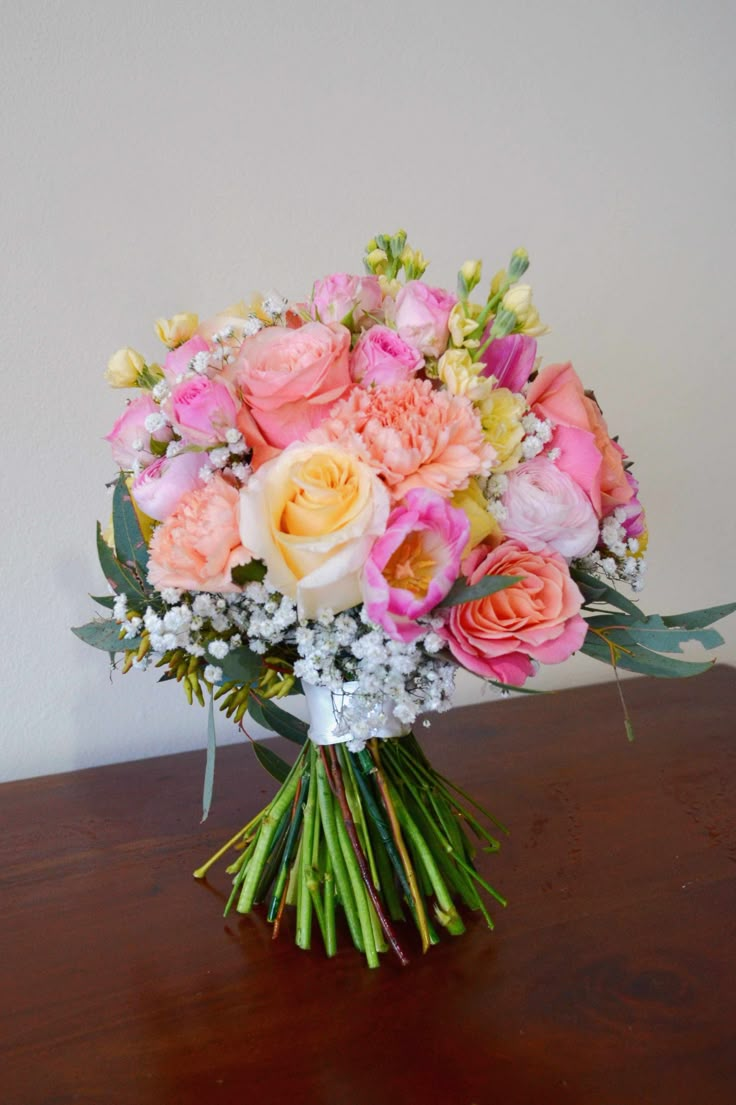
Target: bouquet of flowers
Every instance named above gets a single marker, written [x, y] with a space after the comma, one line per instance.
[350, 498]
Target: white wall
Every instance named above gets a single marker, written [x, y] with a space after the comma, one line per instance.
[170, 156]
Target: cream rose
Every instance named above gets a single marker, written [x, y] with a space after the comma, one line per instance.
[312, 514]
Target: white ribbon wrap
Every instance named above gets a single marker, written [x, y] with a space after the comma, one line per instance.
[329, 716]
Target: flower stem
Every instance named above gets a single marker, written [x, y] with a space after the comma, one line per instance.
[342, 881]
[269, 826]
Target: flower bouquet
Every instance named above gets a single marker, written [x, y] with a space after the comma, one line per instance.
[350, 498]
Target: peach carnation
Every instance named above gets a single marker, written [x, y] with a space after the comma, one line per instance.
[412, 435]
[198, 545]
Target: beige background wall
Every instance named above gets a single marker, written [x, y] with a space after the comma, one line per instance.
[168, 156]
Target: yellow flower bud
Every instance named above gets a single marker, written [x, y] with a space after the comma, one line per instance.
[177, 329]
[470, 272]
[390, 288]
[461, 376]
[377, 260]
[500, 415]
[123, 368]
[498, 281]
[460, 324]
[518, 300]
[483, 526]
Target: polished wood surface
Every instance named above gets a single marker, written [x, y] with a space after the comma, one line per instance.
[610, 978]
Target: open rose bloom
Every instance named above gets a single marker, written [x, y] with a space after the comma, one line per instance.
[355, 495]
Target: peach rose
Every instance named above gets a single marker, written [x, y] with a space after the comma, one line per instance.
[312, 515]
[586, 450]
[536, 619]
[198, 546]
[289, 379]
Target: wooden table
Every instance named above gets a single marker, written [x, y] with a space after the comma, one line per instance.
[609, 980]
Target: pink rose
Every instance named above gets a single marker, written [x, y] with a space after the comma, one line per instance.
[289, 380]
[633, 517]
[158, 488]
[129, 439]
[415, 563]
[422, 317]
[198, 545]
[178, 360]
[380, 356]
[510, 360]
[587, 451]
[545, 506]
[202, 409]
[345, 298]
[536, 619]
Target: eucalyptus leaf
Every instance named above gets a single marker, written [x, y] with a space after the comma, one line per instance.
[105, 635]
[640, 659]
[107, 601]
[699, 619]
[209, 770]
[595, 590]
[130, 545]
[462, 592]
[121, 579]
[240, 666]
[265, 712]
[273, 764]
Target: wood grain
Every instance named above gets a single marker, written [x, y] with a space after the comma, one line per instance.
[609, 980]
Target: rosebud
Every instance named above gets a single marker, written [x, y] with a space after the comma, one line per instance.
[518, 300]
[176, 330]
[124, 368]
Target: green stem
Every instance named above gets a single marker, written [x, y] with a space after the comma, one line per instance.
[359, 894]
[327, 812]
[304, 899]
[296, 820]
[329, 931]
[269, 826]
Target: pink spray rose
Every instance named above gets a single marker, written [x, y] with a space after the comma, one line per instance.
[342, 296]
[422, 315]
[380, 356]
[634, 520]
[129, 439]
[178, 360]
[198, 545]
[202, 409]
[536, 619]
[289, 379]
[510, 360]
[587, 451]
[545, 506]
[158, 488]
[413, 565]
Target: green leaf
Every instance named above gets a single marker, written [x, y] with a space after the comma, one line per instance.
[265, 712]
[595, 590]
[104, 600]
[130, 546]
[209, 770]
[641, 660]
[273, 764]
[461, 591]
[699, 619]
[105, 635]
[252, 572]
[240, 666]
[121, 579]
[652, 632]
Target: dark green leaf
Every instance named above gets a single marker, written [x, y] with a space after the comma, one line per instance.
[266, 713]
[104, 600]
[248, 573]
[699, 619]
[209, 770]
[641, 660]
[595, 590]
[105, 635]
[130, 547]
[240, 666]
[273, 764]
[461, 592]
[121, 579]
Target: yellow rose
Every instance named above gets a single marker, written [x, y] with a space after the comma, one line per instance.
[482, 524]
[311, 514]
[176, 330]
[500, 414]
[123, 368]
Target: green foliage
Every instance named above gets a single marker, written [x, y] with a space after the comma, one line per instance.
[253, 572]
[130, 546]
[265, 712]
[462, 592]
[240, 666]
[105, 635]
[273, 763]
